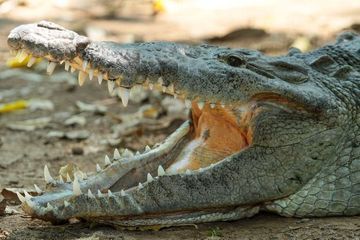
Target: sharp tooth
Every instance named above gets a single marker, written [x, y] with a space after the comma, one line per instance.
[76, 187]
[90, 194]
[147, 148]
[66, 203]
[161, 171]
[50, 68]
[127, 153]
[99, 193]
[68, 178]
[67, 65]
[201, 105]
[30, 203]
[171, 89]
[222, 105]
[31, 62]
[72, 69]
[48, 178]
[151, 86]
[187, 103]
[81, 78]
[37, 189]
[84, 65]
[163, 88]
[91, 74]
[20, 197]
[122, 193]
[137, 153]
[116, 154]
[160, 81]
[27, 195]
[212, 105]
[149, 178]
[110, 194]
[107, 160]
[188, 171]
[21, 56]
[100, 78]
[111, 85]
[98, 168]
[124, 95]
[61, 180]
[140, 186]
[49, 207]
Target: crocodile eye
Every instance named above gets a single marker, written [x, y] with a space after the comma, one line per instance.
[235, 61]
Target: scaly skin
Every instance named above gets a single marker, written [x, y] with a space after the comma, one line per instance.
[296, 120]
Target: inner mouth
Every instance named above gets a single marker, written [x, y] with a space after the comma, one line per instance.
[213, 132]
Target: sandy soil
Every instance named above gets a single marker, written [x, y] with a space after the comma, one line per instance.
[24, 153]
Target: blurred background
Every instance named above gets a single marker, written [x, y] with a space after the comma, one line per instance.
[51, 120]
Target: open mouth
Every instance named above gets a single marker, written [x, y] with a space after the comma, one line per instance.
[213, 132]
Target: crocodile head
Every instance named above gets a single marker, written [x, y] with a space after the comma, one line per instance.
[261, 132]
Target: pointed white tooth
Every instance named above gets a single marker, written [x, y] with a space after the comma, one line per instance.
[187, 103]
[66, 203]
[137, 153]
[140, 186]
[122, 193]
[99, 193]
[107, 160]
[31, 62]
[116, 154]
[111, 86]
[171, 88]
[61, 180]
[67, 65]
[68, 178]
[124, 94]
[212, 105]
[161, 171]
[201, 105]
[147, 148]
[222, 105]
[98, 168]
[163, 88]
[91, 74]
[21, 56]
[20, 197]
[50, 68]
[72, 69]
[127, 153]
[84, 65]
[48, 178]
[151, 86]
[27, 195]
[149, 178]
[76, 187]
[110, 194]
[81, 78]
[49, 207]
[160, 81]
[30, 203]
[90, 194]
[37, 189]
[100, 78]
[188, 171]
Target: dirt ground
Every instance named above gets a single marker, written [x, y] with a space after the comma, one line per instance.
[28, 137]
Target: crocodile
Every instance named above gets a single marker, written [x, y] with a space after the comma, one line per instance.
[264, 133]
